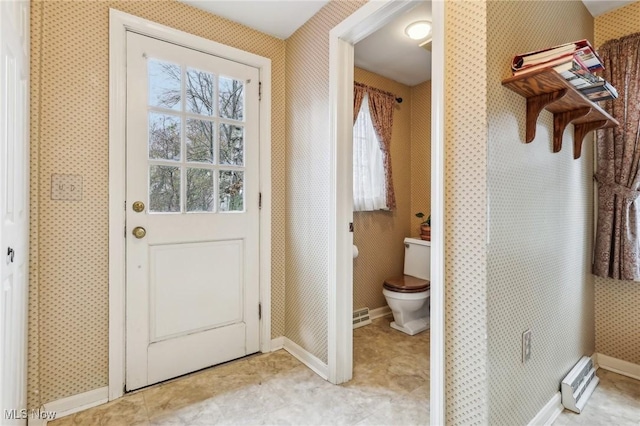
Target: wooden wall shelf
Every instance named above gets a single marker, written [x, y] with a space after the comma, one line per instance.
[546, 89]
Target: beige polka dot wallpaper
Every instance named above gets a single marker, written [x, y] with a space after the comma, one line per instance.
[307, 167]
[465, 212]
[420, 153]
[540, 208]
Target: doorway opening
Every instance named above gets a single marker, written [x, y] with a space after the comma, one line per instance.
[192, 205]
[123, 25]
[356, 28]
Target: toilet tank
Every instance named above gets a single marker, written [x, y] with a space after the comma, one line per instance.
[417, 258]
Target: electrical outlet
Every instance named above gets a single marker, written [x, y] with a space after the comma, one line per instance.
[526, 346]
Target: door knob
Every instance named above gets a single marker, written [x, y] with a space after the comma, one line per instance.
[137, 206]
[139, 232]
[10, 254]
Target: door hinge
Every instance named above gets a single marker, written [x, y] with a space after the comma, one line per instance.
[125, 206]
[259, 311]
[260, 200]
[350, 226]
[259, 90]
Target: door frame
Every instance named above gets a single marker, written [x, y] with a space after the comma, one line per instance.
[119, 24]
[20, 35]
[363, 22]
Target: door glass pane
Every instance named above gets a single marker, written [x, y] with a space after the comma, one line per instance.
[199, 190]
[200, 139]
[231, 144]
[164, 189]
[199, 90]
[164, 84]
[231, 191]
[231, 98]
[164, 136]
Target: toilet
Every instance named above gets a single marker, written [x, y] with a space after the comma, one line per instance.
[408, 295]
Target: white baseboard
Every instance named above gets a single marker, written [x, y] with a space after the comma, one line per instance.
[305, 357]
[549, 413]
[619, 366]
[277, 343]
[379, 312]
[73, 404]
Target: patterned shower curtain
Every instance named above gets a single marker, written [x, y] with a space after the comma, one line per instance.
[617, 244]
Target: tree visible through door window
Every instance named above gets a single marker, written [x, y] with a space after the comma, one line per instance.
[369, 184]
[196, 140]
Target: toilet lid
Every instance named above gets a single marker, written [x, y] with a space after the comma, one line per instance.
[407, 284]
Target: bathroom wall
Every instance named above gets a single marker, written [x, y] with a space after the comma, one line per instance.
[68, 309]
[379, 234]
[618, 302]
[420, 153]
[540, 212]
[307, 163]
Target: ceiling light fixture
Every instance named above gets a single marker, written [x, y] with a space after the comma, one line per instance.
[418, 30]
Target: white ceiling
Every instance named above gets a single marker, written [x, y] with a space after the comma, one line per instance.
[282, 18]
[277, 18]
[598, 7]
[389, 52]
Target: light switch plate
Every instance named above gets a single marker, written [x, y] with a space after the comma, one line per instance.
[66, 187]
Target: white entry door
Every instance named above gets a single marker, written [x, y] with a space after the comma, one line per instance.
[14, 212]
[192, 203]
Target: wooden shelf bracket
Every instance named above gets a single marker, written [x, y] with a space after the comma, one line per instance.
[580, 130]
[535, 104]
[560, 122]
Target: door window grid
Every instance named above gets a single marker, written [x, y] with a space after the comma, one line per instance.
[212, 181]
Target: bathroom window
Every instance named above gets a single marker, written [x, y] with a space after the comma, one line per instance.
[369, 186]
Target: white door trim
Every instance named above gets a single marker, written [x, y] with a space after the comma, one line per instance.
[360, 24]
[119, 24]
[437, 348]
[15, 131]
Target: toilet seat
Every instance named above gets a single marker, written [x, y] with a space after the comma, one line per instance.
[407, 284]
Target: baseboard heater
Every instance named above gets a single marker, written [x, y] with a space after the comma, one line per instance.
[361, 317]
[578, 385]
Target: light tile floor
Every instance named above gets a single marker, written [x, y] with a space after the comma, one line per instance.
[390, 387]
[616, 401]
